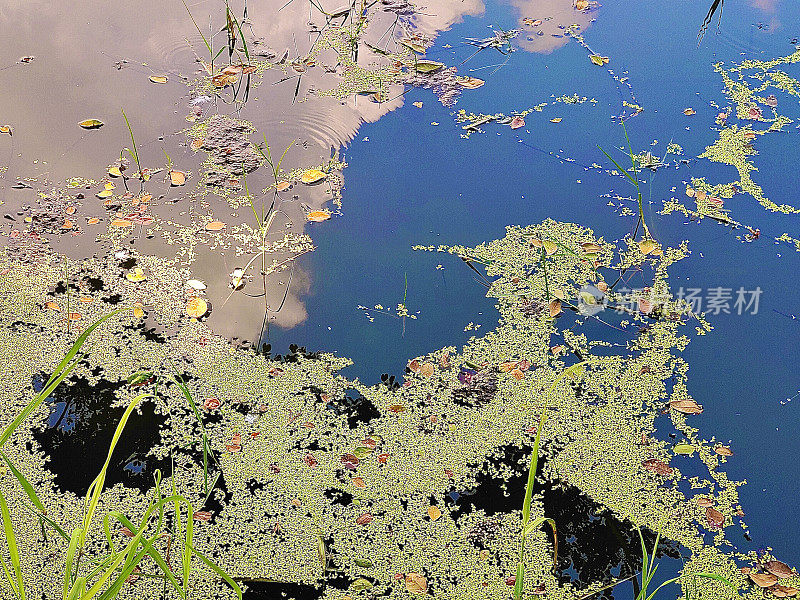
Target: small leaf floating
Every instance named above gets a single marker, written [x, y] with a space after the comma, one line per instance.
[158, 78]
[714, 517]
[763, 580]
[427, 369]
[6, 129]
[689, 112]
[416, 583]
[104, 194]
[350, 461]
[196, 307]
[434, 512]
[91, 124]
[215, 226]
[686, 406]
[282, 186]
[177, 178]
[136, 275]
[364, 563]
[358, 482]
[114, 172]
[138, 310]
[317, 216]
[470, 83]
[517, 122]
[196, 284]
[556, 120]
[364, 519]
[780, 569]
[211, 403]
[427, 66]
[549, 246]
[657, 466]
[581, 5]
[647, 246]
[555, 307]
[599, 60]
[705, 502]
[52, 305]
[201, 515]
[197, 143]
[120, 223]
[723, 451]
[360, 584]
[783, 591]
[686, 449]
[312, 176]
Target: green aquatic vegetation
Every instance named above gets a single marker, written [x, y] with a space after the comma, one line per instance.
[289, 444]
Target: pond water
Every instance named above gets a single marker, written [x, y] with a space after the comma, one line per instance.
[403, 168]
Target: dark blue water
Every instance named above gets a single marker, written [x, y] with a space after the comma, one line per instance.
[416, 183]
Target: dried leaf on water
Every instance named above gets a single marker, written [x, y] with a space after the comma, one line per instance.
[689, 111]
[313, 176]
[120, 223]
[555, 307]
[763, 580]
[91, 124]
[282, 186]
[416, 583]
[657, 466]
[783, 591]
[723, 451]
[705, 502]
[517, 122]
[427, 369]
[138, 310]
[686, 449]
[714, 517]
[780, 569]
[428, 66]
[52, 305]
[647, 246]
[434, 512]
[196, 284]
[358, 482]
[196, 307]
[364, 519]
[686, 406]
[599, 60]
[177, 178]
[7, 129]
[318, 216]
[215, 226]
[158, 78]
[136, 275]
[470, 83]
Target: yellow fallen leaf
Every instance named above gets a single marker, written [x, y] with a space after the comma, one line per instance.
[6, 129]
[282, 186]
[599, 60]
[313, 176]
[417, 104]
[136, 275]
[196, 307]
[416, 583]
[555, 120]
[105, 194]
[689, 111]
[470, 83]
[549, 246]
[138, 310]
[114, 172]
[158, 78]
[434, 512]
[581, 4]
[177, 177]
[215, 226]
[91, 124]
[318, 215]
[121, 223]
[647, 246]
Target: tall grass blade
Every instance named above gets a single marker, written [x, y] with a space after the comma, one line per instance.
[13, 552]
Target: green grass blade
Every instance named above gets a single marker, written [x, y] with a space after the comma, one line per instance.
[24, 483]
[96, 488]
[61, 371]
[535, 524]
[71, 551]
[210, 564]
[526, 504]
[620, 169]
[78, 589]
[210, 51]
[13, 552]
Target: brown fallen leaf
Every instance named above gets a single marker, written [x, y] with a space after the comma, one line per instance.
[177, 178]
[364, 519]
[657, 466]
[780, 569]
[555, 307]
[686, 406]
[317, 216]
[121, 223]
[723, 451]
[689, 111]
[763, 580]
[93, 221]
[783, 591]
[705, 502]
[416, 583]
[714, 517]
[358, 482]
[215, 226]
[517, 122]
[52, 305]
[427, 369]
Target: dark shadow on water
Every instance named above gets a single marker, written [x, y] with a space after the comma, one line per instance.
[78, 431]
[593, 544]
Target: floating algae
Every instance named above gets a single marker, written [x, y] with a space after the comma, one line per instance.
[308, 495]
